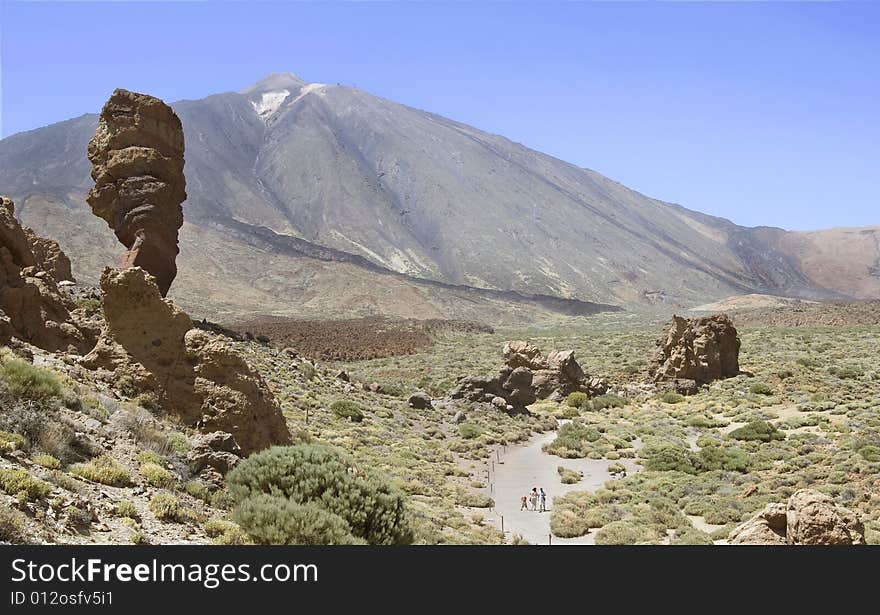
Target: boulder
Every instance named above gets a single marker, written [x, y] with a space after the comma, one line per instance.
[217, 450]
[813, 518]
[420, 401]
[809, 518]
[137, 164]
[699, 349]
[766, 528]
[519, 353]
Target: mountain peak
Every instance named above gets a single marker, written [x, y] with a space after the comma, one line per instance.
[274, 82]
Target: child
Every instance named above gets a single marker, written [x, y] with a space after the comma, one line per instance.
[524, 501]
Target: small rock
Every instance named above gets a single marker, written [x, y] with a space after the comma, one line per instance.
[420, 401]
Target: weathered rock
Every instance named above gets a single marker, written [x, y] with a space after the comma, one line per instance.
[519, 353]
[150, 344]
[700, 349]
[459, 417]
[813, 518]
[137, 165]
[420, 401]
[809, 518]
[218, 450]
[342, 375]
[765, 528]
[32, 308]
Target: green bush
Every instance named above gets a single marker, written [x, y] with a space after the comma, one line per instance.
[567, 476]
[468, 431]
[870, 453]
[318, 476]
[12, 441]
[757, 430]
[13, 525]
[47, 461]
[665, 456]
[346, 409]
[761, 388]
[22, 485]
[607, 401]
[576, 399]
[28, 382]
[102, 470]
[225, 532]
[126, 508]
[156, 475]
[626, 533]
[166, 507]
[728, 458]
[671, 397]
[274, 520]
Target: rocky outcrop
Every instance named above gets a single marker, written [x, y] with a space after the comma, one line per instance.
[813, 518]
[809, 518]
[696, 351]
[420, 401]
[149, 345]
[137, 165]
[527, 376]
[49, 256]
[31, 306]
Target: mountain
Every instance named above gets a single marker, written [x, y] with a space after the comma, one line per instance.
[332, 198]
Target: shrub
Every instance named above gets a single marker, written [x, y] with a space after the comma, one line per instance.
[126, 508]
[728, 458]
[690, 536]
[22, 485]
[473, 499]
[346, 409]
[665, 456]
[28, 382]
[166, 507]
[312, 474]
[607, 401]
[47, 461]
[757, 430]
[102, 470]
[274, 520]
[13, 525]
[12, 441]
[870, 453]
[705, 421]
[156, 475]
[150, 457]
[469, 431]
[671, 397]
[616, 468]
[848, 371]
[567, 476]
[625, 533]
[576, 399]
[761, 388]
[224, 532]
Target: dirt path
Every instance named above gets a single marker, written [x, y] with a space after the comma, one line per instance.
[525, 466]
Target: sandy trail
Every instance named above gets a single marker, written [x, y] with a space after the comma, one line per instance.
[525, 466]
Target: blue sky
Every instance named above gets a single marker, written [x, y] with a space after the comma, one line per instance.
[761, 113]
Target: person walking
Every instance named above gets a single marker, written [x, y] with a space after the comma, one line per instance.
[543, 498]
[524, 503]
[533, 499]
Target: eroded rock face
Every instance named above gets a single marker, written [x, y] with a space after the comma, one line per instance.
[31, 306]
[813, 518]
[137, 165]
[809, 518]
[699, 349]
[527, 376]
[150, 345]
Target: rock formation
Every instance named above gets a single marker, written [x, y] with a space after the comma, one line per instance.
[151, 346]
[696, 351]
[809, 518]
[137, 165]
[526, 376]
[31, 306]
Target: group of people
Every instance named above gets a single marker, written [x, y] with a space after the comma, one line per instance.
[536, 500]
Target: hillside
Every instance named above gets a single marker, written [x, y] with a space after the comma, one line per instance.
[308, 197]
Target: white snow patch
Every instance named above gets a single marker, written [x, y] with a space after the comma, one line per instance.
[318, 88]
[269, 103]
